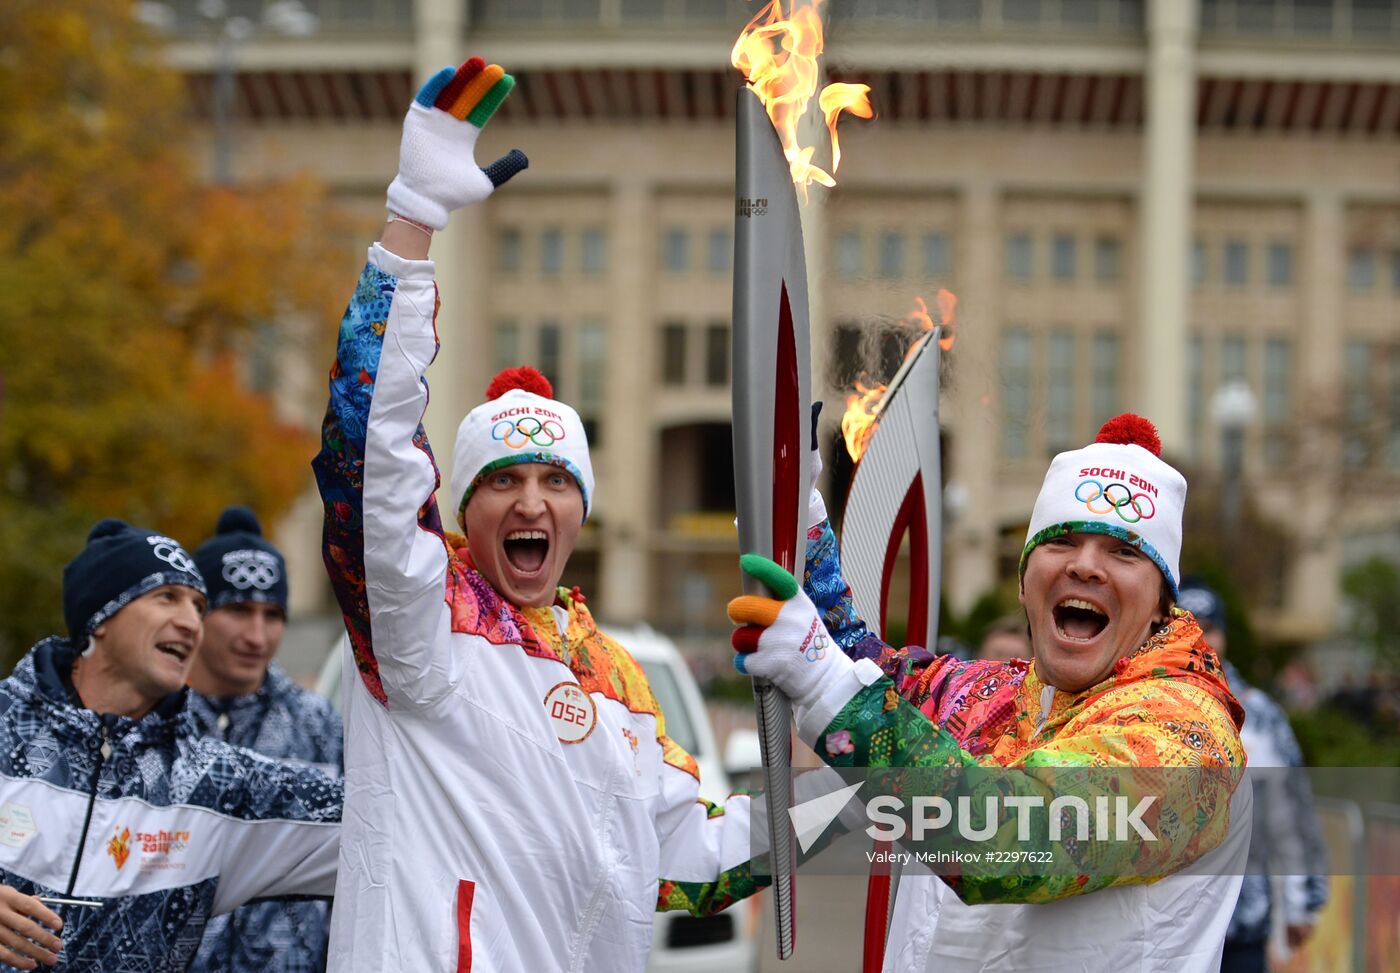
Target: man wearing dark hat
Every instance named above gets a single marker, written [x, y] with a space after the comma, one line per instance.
[1287, 843]
[123, 829]
[242, 696]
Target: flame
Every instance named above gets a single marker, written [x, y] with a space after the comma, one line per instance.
[863, 406]
[778, 57]
[858, 422]
[948, 318]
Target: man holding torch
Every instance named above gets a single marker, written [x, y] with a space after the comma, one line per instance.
[511, 794]
[1120, 678]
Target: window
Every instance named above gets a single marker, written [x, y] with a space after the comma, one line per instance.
[1361, 269]
[1232, 363]
[1059, 412]
[1064, 254]
[719, 252]
[891, 254]
[1104, 381]
[673, 353]
[717, 355]
[1236, 268]
[1019, 256]
[1015, 392]
[551, 252]
[550, 355]
[595, 251]
[1108, 256]
[675, 250]
[1278, 400]
[1280, 264]
[849, 259]
[507, 344]
[1356, 445]
[592, 370]
[1199, 264]
[1395, 270]
[938, 255]
[847, 361]
[1393, 407]
[509, 250]
[592, 364]
[1196, 391]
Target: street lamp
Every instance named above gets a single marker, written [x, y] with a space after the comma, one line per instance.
[285, 17]
[1232, 409]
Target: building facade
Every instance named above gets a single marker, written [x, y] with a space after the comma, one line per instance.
[1137, 202]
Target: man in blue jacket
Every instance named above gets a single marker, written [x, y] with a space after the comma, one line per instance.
[121, 829]
[240, 695]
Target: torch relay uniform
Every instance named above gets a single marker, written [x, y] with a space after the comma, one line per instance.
[297, 727]
[511, 794]
[1165, 705]
[162, 825]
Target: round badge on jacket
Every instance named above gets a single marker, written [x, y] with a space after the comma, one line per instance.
[572, 711]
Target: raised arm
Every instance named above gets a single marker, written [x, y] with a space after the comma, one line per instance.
[382, 539]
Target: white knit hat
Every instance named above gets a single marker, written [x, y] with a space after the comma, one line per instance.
[520, 422]
[1116, 485]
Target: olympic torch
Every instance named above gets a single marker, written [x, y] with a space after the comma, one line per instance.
[897, 489]
[772, 391]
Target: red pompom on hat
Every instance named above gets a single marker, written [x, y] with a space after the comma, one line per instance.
[521, 377]
[1128, 430]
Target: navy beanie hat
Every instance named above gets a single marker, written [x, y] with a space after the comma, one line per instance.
[1203, 602]
[120, 564]
[239, 565]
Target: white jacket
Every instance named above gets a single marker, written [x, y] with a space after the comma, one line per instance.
[1175, 925]
[511, 796]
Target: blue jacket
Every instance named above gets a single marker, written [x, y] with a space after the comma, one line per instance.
[164, 827]
[282, 720]
[1288, 839]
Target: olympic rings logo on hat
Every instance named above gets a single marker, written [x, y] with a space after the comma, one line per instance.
[1116, 498]
[527, 430]
[169, 550]
[251, 569]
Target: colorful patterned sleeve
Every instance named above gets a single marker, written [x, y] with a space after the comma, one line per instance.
[824, 584]
[1117, 749]
[391, 293]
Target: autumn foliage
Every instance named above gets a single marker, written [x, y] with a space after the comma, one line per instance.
[131, 296]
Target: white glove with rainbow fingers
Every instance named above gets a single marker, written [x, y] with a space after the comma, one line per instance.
[782, 639]
[437, 157]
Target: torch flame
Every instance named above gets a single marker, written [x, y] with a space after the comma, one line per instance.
[864, 404]
[858, 423]
[778, 57]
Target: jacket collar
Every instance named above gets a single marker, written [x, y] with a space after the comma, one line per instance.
[1178, 651]
[47, 673]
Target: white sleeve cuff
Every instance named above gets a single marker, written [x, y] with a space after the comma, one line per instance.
[837, 689]
[400, 267]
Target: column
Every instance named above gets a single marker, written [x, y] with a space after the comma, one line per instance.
[628, 473]
[1166, 204]
[1313, 597]
[437, 42]
[969, 408]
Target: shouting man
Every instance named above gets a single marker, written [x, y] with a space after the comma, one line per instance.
[1119, 678]
[512, 796]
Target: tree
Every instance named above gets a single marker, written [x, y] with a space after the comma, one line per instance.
[129, 291]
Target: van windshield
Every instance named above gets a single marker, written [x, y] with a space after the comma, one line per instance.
[679, 726]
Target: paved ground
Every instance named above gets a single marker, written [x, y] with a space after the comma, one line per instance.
[830, 917]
